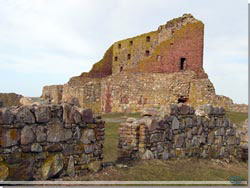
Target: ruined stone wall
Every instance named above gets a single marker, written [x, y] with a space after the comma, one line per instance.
[126, 92]
[179, 133]
[153, 69]
[87, 95]
[9, 99]
[42, 142]
[162, 50]
[53, 93]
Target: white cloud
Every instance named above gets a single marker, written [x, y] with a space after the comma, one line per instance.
[62, 38]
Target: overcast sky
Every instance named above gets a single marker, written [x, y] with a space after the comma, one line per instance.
[44, 42]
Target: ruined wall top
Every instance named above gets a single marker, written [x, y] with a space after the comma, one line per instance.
[174, 46]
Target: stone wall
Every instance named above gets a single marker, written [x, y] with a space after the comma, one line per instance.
[162, 50]
[242, 132]
[9, 99]
[53, 93]
[88, 95]
[43, 142]
[179, 132]
[126, 92]
[150, 70]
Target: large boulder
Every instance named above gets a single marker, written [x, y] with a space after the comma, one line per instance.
[52, 166]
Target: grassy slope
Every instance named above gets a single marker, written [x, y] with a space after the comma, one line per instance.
[171, 170]
[237, 117]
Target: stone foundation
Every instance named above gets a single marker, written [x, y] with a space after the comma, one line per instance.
[43, 142]
[179, 132]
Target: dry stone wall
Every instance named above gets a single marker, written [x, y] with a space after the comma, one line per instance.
[179, 132]
[43, 142]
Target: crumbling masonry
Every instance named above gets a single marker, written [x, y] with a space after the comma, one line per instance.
[180, 132]
[150, 70]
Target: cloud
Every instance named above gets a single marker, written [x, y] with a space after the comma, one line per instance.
[51, 41]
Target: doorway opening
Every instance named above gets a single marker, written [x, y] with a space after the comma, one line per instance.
[182, 63]
[182, 100]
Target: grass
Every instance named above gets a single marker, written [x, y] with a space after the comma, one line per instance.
[111, 141]
[237, 117]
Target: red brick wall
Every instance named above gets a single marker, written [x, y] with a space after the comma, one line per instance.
[187, 43]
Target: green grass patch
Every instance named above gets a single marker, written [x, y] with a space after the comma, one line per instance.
[121, 115]
[237, 117]
[111, 141]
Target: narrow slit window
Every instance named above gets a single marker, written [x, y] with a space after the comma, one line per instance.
[121, 68]
[158, 58]
[182, 100]
[131, 43]
[182, 63]
[129, 56]
[116, 58]
[119, 46]
[148, 39]
[147, 53]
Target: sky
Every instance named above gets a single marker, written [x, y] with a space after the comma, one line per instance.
[45, 42]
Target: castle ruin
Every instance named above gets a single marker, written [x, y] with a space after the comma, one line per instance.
[150, 70]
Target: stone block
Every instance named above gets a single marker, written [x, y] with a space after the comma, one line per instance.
[10, 137]
[24, 115]
[52, 166]
[179, 141]
[175, 124]
[56, 132]
[88, 136]
[42, 114]
[27, 135]
[36, 148]
[41, 134]
[6, 116]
